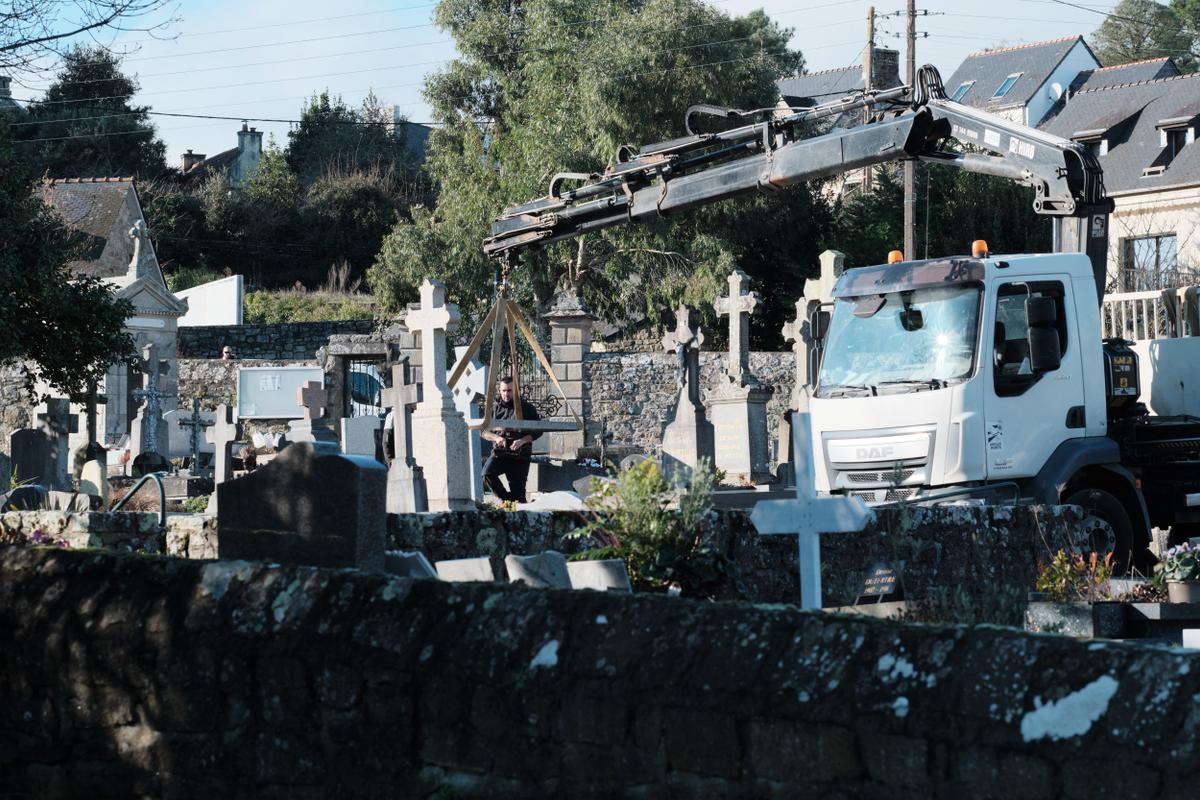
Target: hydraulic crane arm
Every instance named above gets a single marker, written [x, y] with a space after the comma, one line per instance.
[701, 168]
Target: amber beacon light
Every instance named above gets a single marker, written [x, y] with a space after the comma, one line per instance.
[895, 257]
[979, 248]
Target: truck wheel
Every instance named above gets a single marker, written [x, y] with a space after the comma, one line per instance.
[1106, 526]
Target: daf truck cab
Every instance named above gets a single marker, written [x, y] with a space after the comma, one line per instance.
[987, 378]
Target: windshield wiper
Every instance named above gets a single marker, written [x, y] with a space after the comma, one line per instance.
[845, 390]
[919, 384]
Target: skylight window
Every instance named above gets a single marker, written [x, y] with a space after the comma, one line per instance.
[962, 90]
[1008, 84]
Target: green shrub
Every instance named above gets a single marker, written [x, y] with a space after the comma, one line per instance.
[187, 277]
[196, 505]
[659, 529]
[273, 307]
[1073, 578]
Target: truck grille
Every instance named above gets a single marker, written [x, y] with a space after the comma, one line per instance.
[878, 476]
[883, 495]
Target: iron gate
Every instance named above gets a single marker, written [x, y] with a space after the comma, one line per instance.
[364, 388]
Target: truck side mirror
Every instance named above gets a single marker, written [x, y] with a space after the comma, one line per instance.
[1045, 349]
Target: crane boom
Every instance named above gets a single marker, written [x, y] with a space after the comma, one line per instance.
[665, 178]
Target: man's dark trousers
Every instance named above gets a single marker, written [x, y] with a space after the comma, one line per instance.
[514, 468]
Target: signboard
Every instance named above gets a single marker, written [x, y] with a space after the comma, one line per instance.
[270, 392]
[881, 581]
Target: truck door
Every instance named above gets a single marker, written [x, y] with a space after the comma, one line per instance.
[1029, 413]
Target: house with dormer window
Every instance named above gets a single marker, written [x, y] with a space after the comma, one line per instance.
[1023, 83]
[1144, 133]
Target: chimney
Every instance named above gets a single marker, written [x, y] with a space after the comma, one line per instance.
[249, 143]
[885, 67]
[4, 82]
[191, 159]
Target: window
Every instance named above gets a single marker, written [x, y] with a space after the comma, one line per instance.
[1149, 263]
[1008, 84]
[962, 90]
[1176, 140]
[1011, 368]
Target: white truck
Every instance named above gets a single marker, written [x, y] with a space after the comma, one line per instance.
[987, 377]
[963, 377]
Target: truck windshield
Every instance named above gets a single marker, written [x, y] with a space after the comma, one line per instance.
[900, 341]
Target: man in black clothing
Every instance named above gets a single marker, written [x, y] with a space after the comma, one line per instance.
[511, 448]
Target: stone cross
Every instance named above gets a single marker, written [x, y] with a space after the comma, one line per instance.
[313, 397]
[808, 516]
[153, 367]
[738, 306]
[223, 433]
[434, 319]
[140, 235]
[797, 332]
[90, 399]
[833, 264]
[603, 437]
[685, 342]
[399, 399]
[197, 425]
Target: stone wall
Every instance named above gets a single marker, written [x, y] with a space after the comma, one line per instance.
[635, 392]
[287, 341]
[995, 550]
[140, 676]
[184, 536]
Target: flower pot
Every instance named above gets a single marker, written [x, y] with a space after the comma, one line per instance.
[1183, 591]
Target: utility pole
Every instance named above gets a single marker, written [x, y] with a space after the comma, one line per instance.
[868, 76]
[910, 166]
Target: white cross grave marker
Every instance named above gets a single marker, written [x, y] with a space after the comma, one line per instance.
[738, 306]
[808, 516]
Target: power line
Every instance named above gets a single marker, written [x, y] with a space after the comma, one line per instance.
[191, 34]
[624, 75]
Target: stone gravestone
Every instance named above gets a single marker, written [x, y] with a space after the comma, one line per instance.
[470, 387]
[360, 435]
[148, 435]
[739, 401]
[221, 436]
[605, 575]
[439, 430]
[406, 480]
[808, 516]
[195, 423]
[306, 507]
[806, 349]
[546, 570]
[313, 428]
[409, 564]
[688, 437]
[462, 570]
[42, 456]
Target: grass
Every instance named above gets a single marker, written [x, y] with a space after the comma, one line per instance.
[302, 306]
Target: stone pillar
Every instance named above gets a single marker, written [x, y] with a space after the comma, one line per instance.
[570, 340]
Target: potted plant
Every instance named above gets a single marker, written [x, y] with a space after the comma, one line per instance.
[1180, 570]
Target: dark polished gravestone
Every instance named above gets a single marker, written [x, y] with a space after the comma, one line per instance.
[305, 507]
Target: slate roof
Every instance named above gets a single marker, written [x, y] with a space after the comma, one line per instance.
[1135, 72]
[215, 163]
[89, 207]
[989, 68]
[1129, 115]
[817, 88]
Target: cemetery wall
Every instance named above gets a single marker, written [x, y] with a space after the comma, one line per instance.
[635, 392]
[992, 551]
[185, 535]
[215, 380]
[135, 676]
[285, 341]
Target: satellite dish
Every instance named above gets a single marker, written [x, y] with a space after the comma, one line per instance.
[1056, 91]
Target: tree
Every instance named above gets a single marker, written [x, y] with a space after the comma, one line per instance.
[547, 86]
[347, 214]
[61, 329]
[31, 30]
[1142, 29]
[86, 127]
[333, 136]
[954, 207]
[1187, 12]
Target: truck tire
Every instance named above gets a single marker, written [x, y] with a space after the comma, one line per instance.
[1106, 526]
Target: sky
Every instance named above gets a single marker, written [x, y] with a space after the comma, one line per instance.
[262, 58]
